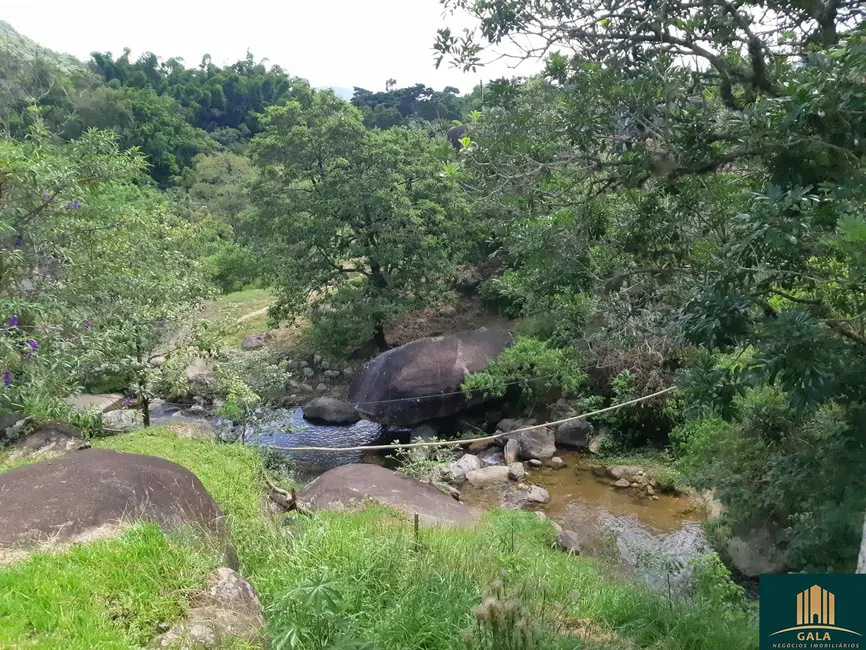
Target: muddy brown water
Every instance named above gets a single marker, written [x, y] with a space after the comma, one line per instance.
[576, 484]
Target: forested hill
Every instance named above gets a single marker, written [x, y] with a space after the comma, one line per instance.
[173, 111]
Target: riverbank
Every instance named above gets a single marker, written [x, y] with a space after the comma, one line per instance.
[360, 576]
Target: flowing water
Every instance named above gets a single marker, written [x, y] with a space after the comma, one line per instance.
[288, 428]
[655, 538]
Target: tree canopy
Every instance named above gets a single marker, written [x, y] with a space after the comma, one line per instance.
[362, 224]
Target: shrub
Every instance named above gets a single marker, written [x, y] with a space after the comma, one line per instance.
[529, 359]
[781, 466]
[647, 422]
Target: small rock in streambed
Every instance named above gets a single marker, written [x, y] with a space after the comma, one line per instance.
[492, 456]
[488, 475]
[331, 411]
[516, 471]
[458, 470]
[321, 388]
[622, 483]
[556, 463]
[534, 462]
[569, 542]
[574, 434]
[536, 494]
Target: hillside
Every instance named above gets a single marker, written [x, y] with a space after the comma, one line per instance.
[26, 50]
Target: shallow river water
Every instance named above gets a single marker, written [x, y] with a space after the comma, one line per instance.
[638, 531]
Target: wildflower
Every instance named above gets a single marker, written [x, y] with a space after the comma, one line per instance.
[33, 344]
[76, 203]
[13, 320]
[46, 197]
[69, 206]
[7, 377]
[88, 324]
[19, 242]
[127, 400]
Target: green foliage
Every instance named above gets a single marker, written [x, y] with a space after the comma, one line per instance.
[424, 463]
[783, 467]
[211, 98]
[710, 208]
[536, 364]
[398, 106]
[142, 119]
[359, 225]
[645, 423]
[712, 585]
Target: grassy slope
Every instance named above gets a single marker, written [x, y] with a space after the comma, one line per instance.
[347, 576]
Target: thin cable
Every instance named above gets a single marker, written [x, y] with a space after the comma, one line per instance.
[450, 443]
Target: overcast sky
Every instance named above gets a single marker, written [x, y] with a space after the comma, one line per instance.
[329, 42]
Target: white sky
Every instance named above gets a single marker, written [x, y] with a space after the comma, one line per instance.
[329, 42]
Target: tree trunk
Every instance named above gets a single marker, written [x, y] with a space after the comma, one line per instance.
[379, 338]
[861, 558]
[379, 283]
[145, 410]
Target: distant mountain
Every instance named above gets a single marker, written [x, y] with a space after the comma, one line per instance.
[23, 49]
[340, 91]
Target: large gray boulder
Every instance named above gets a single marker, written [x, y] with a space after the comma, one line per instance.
[574, 434]
[536, 443]
[349, 486]
[421, 380]
[330, 411]
[71, 497]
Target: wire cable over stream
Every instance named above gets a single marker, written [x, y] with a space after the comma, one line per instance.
[468, 441]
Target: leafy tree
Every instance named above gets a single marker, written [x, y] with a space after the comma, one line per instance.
[212, 98]
[94, 267]
[221, 182]
[362, 224]
[142, 119]
[697, 169]
[396, 106]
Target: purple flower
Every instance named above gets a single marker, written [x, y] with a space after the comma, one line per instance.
[46, 197]
[88, 324]
[76, 203]
[33, 344]
[19, 242]
[127, 400]
[69, 206]
[13, 320]
[7, 377]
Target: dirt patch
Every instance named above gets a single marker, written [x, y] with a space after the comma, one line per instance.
[467, 313]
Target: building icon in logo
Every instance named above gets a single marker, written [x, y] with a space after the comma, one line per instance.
[816, 606]
[816, 610]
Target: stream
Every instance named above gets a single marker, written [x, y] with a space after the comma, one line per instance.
[655, 539]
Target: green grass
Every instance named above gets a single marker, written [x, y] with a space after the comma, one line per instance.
[334, 577]
[108, 594]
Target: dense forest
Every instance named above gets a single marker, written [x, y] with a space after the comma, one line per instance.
[677, 200]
